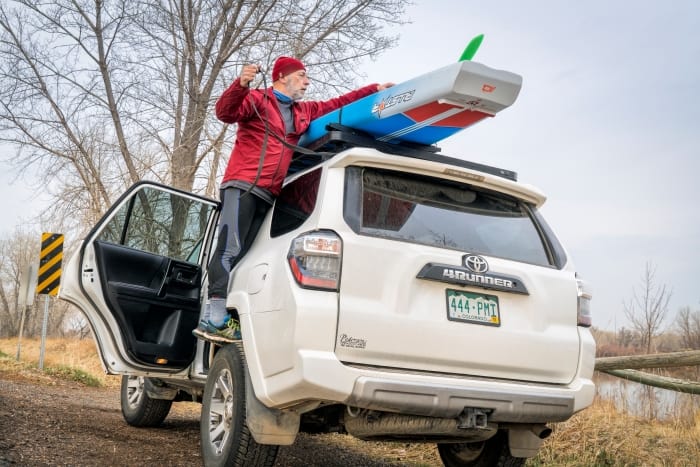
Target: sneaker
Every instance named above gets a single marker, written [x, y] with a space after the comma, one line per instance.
[208, 332]
[232, 330]
[201, 331]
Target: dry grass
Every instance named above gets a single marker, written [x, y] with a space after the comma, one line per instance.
[599, 436]
[59, 354]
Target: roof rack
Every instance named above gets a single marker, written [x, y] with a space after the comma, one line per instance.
[339, 137]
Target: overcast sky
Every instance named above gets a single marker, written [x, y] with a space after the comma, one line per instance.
[607, 124]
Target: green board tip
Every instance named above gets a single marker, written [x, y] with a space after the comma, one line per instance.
[471, 48]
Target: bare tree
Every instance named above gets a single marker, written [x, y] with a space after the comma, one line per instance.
[76, 325]
[648, 307]
[688, 325]
[96, 95]
[625, 337]
[16, 253]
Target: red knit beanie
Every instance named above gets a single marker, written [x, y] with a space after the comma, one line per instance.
[284, 66]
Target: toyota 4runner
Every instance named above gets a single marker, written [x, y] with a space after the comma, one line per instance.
[410, 297]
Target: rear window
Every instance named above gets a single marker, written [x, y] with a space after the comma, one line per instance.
[445, 214]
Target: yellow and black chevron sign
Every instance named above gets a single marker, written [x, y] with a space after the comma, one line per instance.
[49, 277]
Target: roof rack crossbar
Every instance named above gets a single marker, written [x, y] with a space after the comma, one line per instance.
[339, 138]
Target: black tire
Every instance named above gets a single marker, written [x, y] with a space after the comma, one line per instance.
[225, 438]
[137, 408]
[492, 452]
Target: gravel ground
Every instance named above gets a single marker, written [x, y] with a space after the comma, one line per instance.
[48, 421]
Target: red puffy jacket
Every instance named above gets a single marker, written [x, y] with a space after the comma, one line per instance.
[236, 106]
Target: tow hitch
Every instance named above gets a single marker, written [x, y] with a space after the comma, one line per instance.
[473, 418]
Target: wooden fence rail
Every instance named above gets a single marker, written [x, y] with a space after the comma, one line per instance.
[625, 367]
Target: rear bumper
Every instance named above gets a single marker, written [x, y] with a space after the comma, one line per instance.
[433, 395]
[506, 402]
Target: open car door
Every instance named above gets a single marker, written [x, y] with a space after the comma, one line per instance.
[137, 277]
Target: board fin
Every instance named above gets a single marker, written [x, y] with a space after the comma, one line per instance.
[471, 48]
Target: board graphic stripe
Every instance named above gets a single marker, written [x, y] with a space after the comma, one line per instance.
[419, 125]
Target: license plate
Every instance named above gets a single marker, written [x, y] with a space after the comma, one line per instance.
[473, 308]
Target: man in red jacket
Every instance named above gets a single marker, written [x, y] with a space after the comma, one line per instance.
[267, 119]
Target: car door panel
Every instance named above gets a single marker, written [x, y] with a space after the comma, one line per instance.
[139, 278]
[154, 307]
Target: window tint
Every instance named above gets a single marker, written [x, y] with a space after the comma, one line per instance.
[295, 203]
[160, 222]
[442, 213]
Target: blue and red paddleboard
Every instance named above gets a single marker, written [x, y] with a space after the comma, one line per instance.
[428, 108]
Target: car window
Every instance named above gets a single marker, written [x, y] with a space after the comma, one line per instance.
[442, 213]
[295, 203]
[160, 222]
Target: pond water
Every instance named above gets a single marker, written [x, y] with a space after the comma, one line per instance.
[647, 402]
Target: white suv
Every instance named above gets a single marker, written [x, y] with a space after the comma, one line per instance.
[393, 297]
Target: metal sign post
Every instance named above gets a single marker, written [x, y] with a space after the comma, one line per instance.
[44, 325]
[49, 278]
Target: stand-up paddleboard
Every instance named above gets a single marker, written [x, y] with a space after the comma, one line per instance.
[428, 108]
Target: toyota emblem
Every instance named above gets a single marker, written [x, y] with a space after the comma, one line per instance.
[476, 263]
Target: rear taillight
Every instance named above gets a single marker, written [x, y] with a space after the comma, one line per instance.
[314, 259]
[584, 304]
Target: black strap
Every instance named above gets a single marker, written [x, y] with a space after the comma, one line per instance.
[300, 149]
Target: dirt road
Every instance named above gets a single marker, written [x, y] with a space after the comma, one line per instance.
[48, 421]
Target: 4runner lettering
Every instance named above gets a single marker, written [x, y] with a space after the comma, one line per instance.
[455, 275]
